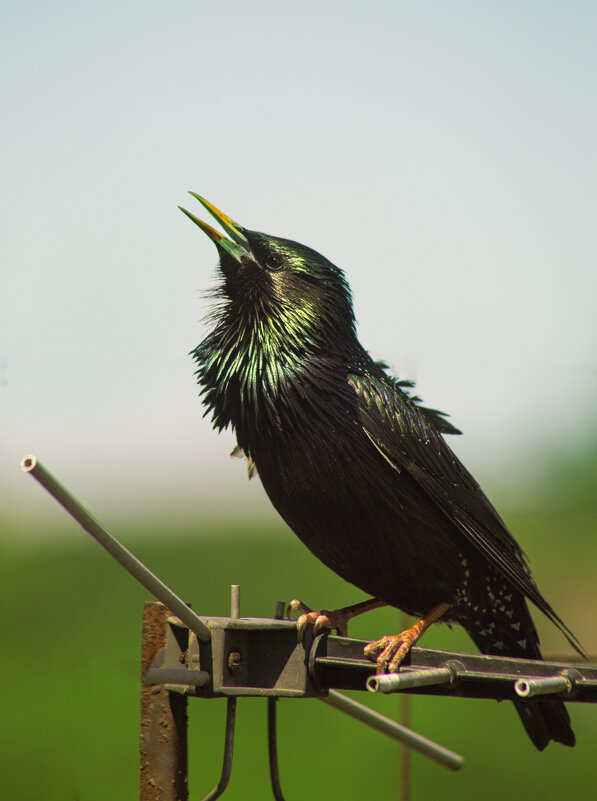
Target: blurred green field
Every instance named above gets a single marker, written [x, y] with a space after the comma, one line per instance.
[71, 647]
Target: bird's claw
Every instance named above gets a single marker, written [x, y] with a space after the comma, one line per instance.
[389, 651]
[320, 620]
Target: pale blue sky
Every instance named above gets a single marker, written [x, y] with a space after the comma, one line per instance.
[442, 153]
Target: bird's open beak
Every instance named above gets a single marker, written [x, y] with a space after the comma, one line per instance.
[238, 244]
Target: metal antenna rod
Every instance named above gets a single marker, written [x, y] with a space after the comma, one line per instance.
[544, 685]
[417, 742]
[392, 682]
[128, 560]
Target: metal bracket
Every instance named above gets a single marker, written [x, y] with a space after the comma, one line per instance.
[261, 657]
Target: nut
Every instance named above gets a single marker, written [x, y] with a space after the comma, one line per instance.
[235, 661]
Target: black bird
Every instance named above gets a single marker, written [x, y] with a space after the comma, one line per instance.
[355, 464]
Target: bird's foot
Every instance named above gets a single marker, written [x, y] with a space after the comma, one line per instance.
[326, 619]
[323, 619]
[389, 651]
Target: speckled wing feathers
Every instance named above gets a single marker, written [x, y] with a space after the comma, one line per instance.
[410, 442]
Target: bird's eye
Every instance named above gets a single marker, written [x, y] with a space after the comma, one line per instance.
[274, 262]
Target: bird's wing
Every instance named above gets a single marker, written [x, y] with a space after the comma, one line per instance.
[437, 418]
[409, 441]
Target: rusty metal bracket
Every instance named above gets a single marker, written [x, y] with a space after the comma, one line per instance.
[163, 740]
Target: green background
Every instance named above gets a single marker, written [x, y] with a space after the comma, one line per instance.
[443, 154]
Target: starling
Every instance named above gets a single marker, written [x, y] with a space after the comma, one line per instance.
[354, 462]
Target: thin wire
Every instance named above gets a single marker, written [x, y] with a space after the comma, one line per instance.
[228, 748]
[272, 743]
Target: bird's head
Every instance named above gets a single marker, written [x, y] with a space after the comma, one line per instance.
[277, 284]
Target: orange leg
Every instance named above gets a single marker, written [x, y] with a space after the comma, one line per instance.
[338, 619]
[393, 648]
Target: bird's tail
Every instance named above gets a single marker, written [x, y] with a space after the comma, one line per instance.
[543, 720]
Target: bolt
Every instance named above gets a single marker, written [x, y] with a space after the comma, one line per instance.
[280, 607]
[235, 661]
[235, 601]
